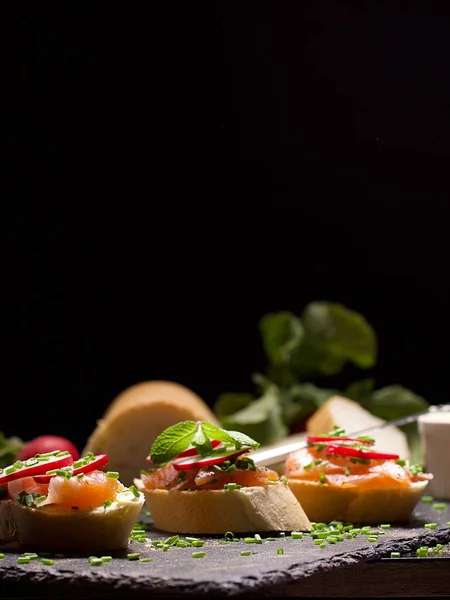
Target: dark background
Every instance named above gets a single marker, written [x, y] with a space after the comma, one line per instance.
[173, 173]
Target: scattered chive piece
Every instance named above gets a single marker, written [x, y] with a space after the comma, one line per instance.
[431, 525]
[280, 551]
[395, 554]
[297, 535]
[133, 555]
[246, 552]
[47, 561]
[23, 560]
[198, 554]
[2, 555]
[112, 474]
[147, 559]
[439, 505]
[95, 561]
[427, 499]
[385, 526]
[106, 558]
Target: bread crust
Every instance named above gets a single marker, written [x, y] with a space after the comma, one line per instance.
[248, 509]
[136, 417]
[56, 528]
[323, 502]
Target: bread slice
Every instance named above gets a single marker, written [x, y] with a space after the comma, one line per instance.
[324, 503]
[59, 529]
[135, 418]
[351, 416]
[248, 509]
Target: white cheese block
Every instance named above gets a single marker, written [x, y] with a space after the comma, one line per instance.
[352, 417]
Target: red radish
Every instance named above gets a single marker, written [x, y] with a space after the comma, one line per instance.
[197, 461]
[47, 443]
[313, 439]
[337, 450]
[89, 464]
[192, 451]
[36, 465]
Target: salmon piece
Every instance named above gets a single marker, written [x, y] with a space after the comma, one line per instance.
[311, 464]
[87, 492]
[169, 478]
[28, 485]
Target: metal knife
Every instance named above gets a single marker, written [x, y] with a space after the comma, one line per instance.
[278, 453]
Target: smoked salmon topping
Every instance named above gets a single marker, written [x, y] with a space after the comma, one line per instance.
[347, 462]
[241, 472]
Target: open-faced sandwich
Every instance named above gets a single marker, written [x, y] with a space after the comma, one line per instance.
[342, 478]
[51, 502]
[202, 480]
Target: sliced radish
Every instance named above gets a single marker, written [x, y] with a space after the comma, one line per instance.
[193, 451]
[193, 462]
[83, 465]
[37, 465]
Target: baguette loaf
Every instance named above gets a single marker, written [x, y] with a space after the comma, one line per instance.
[136, 417]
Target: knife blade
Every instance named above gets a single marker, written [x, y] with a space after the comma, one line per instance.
[273, 455]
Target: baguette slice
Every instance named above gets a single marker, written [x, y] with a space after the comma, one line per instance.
[136, 417]
[351, 416]
[248, 509]
[58, 529]
[324, 503]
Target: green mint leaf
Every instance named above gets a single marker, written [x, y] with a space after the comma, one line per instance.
[393, 402]
[301, 400]
[333, 336]
[359, 390]
[172, 441]
[241, 439]
[201, 441]
[282, 334]
[261, 419]
[9, 449]
[230, 402]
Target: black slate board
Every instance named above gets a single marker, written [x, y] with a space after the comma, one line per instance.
[222, 572]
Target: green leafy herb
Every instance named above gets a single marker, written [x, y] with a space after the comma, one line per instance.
[198, 434]
[302, 353]
[9, 449]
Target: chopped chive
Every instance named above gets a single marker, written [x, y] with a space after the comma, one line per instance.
[95, 561]
[133, 555]
[106, 558]
[246, 552]
[47, 561]
[280, 551]
[395, 554]
[2, 555]
[134, 491]
[198, 554]
[23, 560]
[431, 525]
[112, 474]
[439, 505]
[427, 499]
[146, 559]
[297, 535]
[385, 526]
